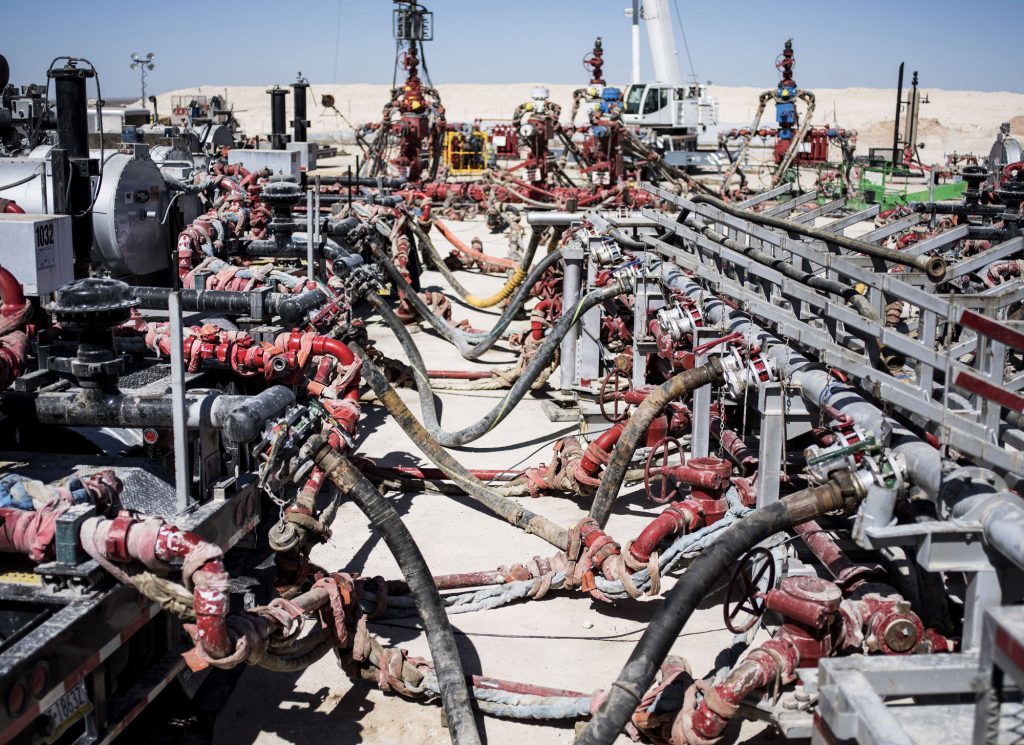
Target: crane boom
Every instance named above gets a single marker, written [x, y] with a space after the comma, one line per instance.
[658, 19]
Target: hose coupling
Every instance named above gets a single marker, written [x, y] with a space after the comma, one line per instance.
[741, 372]
[363, 280]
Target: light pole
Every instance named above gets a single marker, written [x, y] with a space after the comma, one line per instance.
[143, 64]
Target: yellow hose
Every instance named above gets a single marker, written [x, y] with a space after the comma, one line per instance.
[486, 302]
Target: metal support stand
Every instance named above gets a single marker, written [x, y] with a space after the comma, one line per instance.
[649, 300]
[309, 236]
[771, 405]
[700, 406]
[571, 280]
[983, 593]
[182, 478]
[588, 349]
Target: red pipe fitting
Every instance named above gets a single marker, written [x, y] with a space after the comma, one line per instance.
[890, 626]
[12, 295]
[775, 659]
[538, 316]
[597, 454]
[156, 544]
[808, 601]
[709, 479]
[599, 547]
[676, 519]
[847, 574]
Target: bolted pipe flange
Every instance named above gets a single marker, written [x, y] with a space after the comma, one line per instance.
[281, 192]
[96, 303]
[975, 176]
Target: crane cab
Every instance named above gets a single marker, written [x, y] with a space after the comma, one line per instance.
[662, 105]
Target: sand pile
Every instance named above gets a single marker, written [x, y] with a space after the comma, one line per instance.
[966, 121]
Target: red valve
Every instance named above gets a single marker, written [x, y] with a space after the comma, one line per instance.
[610, 390]
[743, 593]
[667, 487]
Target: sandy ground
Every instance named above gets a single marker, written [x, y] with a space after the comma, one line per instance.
[564, 641]
[962, 121]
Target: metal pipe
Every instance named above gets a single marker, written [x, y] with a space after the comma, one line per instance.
[72, 185]
[278, 132]
[245, 422]
[299, 123]
[309, 234]
[896, 121]
[818, 387]
[1004, 528]
[554, 217]
[933, 266]
[292, 308]
[635, 36]
[572, 281]
[87, 407]
[182, 478]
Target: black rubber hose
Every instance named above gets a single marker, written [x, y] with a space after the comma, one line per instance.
[379, 183]
[292, 308]
[246, 423]
[296, 662]
[701, 576]
[636, 429]
[384, 519]
[449, 275]
[856, 301]
[522, 386]
[626, 242]
[507, 509]
[933, 266]
[470, 347]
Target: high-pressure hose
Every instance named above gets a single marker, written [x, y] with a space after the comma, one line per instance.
[437, 261]
[636, 429]
[472, 252]
[933, 266]
[636, 677]
[544, 355]
[513, 282]
[508, 510]
[516, 280]
[471, 347]
[384, 519]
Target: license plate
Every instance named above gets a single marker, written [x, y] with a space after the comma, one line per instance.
[67, 710]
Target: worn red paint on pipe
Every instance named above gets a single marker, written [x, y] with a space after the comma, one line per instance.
[463, 248]
[459, 374]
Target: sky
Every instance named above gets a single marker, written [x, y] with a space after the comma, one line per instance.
[259, 42]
